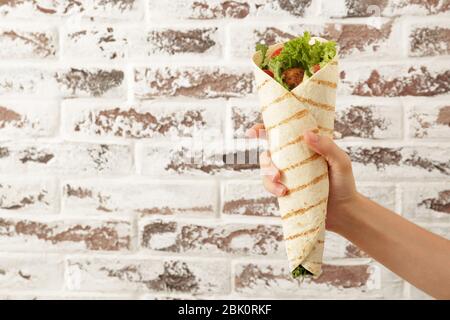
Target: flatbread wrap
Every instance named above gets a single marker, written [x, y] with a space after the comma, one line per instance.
[296, 83]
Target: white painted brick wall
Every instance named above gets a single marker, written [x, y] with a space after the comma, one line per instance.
[104, 106]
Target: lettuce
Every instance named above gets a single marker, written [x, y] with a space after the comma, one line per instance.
[298, 53]
[263, 48]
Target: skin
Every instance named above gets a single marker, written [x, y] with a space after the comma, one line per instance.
[413, 253]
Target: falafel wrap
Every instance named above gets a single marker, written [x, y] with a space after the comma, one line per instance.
[296, 83]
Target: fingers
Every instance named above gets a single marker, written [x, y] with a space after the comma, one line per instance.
[274, 187]
[256, 132]
[271, 175]
[326, 147]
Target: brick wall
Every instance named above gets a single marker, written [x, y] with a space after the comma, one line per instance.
[102, 105]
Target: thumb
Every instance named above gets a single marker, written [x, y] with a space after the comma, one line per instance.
[326, 147]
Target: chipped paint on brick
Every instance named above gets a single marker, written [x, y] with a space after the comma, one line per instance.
[192, 82]
[358, 121]
[92, 83]
[263, 240]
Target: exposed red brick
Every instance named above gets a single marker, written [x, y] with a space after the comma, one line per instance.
[223, 9]
[7, 116]
[175, 41]
[120, 122]
[441, 203]
[333, 275]
[358, 121]
[190, 237]
[430, 41]
[357, 36]
[104, 237]
[41, 43]
[363, 8]
[251, 207]
[95, 83]
[294, 7]
[418, 82]
[194, 82]
[443, 117]
[382, 157]
[35, 155]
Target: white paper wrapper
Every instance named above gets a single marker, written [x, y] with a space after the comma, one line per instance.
[286, 115]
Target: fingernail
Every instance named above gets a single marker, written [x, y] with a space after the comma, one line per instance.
[312, 137]
[280, 190]
[275, 176]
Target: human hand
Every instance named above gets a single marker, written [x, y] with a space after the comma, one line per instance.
[342, 183]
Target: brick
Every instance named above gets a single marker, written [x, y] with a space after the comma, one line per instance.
[367, 121]
[179, 41]
[24, 82]
[211, 238]
[19, 43]
[144, 198]
[429, 40]
[28, 119]
[428, 120]
[117, 119]
[254, 279]
[242, 116]
[354, 8]
[200, 157]
[66, 158]
[20, 272]
[195, 82]
[28, 195]
[187, 276]
[382, 162]
[418, 7]
[114, 9]
[96, 43]
[395, 80]
[377, 8]
[79, 82]
[53, 234]
[218, 9]
[426, 203]
[354, 40]
[248, 198]
[69, 83]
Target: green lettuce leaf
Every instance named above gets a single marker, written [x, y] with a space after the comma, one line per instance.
[298, 53]
[263, 48]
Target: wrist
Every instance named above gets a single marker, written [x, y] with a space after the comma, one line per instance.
[346, 214]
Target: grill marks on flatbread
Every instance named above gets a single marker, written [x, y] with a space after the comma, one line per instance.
[301, 234]
[300, 114]
[301, 163]
[329, 84]
[316, 104]
[301, 211]
[277, 100]
[326, 130]
[296, 140]
[306, 185]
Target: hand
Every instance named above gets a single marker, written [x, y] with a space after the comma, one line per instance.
[342, 183]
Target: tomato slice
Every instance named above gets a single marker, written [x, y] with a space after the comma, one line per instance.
[316, 68]
[276, 52]
[270, 73]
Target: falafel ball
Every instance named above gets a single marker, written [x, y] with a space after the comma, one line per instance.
[293, 77]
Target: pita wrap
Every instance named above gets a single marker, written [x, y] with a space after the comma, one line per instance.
[287, 115]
